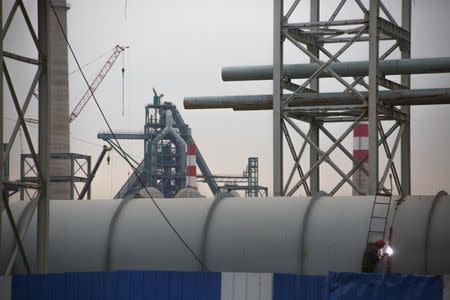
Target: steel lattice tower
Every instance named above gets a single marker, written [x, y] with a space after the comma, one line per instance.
[313, 39]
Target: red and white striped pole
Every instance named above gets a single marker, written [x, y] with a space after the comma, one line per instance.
[191, 166]
[360, 151]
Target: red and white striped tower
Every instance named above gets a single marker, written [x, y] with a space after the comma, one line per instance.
[360, 151]
[191, 166]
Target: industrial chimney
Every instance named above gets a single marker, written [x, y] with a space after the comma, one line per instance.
[59, 102]
[191, 166]
[360, 151]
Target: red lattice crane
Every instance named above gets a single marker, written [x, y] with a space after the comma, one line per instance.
[94, 85]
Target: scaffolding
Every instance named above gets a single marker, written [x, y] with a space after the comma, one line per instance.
[247, 182]
[252, 175]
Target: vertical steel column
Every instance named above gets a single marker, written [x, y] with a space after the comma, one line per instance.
[373, 97]
[22, 177]
[90, 176]
[277, 98]
[405, 154]
[313, 153]
[1, 122]
[72, 177]
[44, 139]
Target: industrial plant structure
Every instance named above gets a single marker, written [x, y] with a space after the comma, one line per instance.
[171, 157]
[286, 233]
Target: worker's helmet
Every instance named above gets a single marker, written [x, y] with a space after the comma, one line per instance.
[379, 244]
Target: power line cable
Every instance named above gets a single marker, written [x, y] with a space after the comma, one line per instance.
[120, 147]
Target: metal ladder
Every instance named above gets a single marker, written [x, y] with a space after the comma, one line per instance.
[379, 216]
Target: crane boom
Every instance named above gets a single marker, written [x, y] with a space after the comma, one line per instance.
[93, 86]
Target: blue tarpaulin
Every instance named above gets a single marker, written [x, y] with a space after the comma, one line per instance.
[122, 285]
[369, 286]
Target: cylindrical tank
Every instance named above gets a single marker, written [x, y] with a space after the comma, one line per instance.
[154, 193]
[188, 192]
[237, 234]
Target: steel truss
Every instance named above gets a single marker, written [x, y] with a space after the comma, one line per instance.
[79, 174]
[41, 158]
[312, 39]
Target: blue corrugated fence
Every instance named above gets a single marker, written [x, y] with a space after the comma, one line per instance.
[122, 285]
[131, 285]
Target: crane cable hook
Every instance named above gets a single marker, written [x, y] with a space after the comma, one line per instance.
[123, 84]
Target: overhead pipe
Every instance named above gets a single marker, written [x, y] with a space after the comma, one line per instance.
[263, 102]
[343, 69]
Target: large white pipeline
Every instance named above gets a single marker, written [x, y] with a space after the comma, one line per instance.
[278, 234]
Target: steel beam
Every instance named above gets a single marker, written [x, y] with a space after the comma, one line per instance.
[121, 135]
[44, 139]
[296, 158]
[29, 24]
[314, 125]
[21, 117]
[277, 76]
[389, 155]
[405, 144]
[325, 65]
[359, 164]
[1, 122]
[23, 230]
[15, 231]
[393, 30]
[264, 102]
[24, 110]
[373, 97]
[21, 58]
[328, 23]
[87, 185]
[324, 156]
[343, 69]
[9, 19]
[388, 14]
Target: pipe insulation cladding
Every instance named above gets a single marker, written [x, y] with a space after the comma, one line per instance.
[276, 234]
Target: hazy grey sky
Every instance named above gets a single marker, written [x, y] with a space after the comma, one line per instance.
[179, 47]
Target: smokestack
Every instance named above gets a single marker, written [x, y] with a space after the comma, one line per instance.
[59, 103]
[360, 151]
[191, 166]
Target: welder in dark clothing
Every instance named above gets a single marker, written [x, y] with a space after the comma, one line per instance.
[371, 256]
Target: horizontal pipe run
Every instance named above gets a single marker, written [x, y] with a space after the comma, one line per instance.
[264, 102]
[237, 234]
[343, 69]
